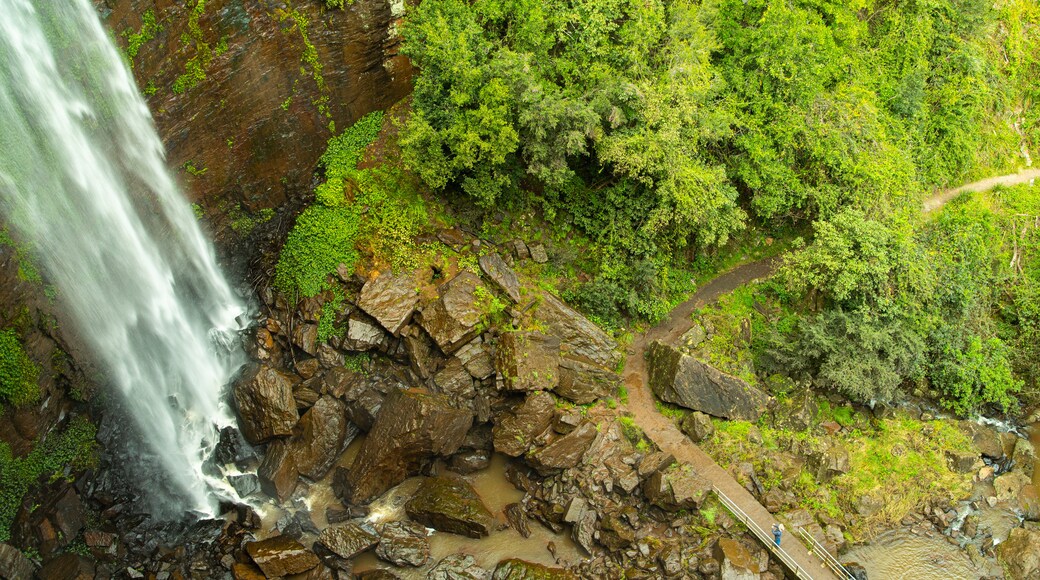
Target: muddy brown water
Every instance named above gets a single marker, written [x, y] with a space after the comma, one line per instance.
[900, 555]
[497, 493]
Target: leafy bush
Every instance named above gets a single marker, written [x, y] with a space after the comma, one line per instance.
[18, 374]
[322, 238]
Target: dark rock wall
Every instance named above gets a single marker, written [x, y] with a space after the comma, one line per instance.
[276, 74]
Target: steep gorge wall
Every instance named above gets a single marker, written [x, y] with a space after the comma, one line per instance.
[245, 93]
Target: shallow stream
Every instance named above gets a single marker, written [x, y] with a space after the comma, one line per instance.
[900, 555]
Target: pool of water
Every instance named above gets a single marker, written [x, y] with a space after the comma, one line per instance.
[497, 493]
[900, 555]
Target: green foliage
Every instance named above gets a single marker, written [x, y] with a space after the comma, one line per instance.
[630, 430]
[309, 58]
[27, 271]
[74, 447]
[342, 156]
[327, 320]
[863, 354]
[357, 362]
[243, 224]
[322, 238]
[195, 67]
[135, 40]
[18, 373]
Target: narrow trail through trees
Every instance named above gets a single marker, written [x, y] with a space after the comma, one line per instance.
[663, 431]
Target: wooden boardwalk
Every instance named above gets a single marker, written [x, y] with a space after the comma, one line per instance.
[663, 432]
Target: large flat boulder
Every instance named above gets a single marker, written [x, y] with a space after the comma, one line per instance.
[515, 431]
[676, 488]
[565, 451]
[578, 335]
[735, 561]
[404, 544]
[583, 381]
[348, 540]
[452, 319]
[281, 556]
[448, 503]
[502, 275]
[390, 299]
[685, 381]
[528, 361]
[413, 425]
[264, 398]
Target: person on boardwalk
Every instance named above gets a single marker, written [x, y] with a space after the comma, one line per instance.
[778, 530]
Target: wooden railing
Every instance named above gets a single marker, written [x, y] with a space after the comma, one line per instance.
[830, 561]
[765, 538]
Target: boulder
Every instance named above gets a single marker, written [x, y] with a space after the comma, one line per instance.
[322, 433]
[470, 460]
[697, 426]
[455, 382]
[413, 425]
[961, 461]
[245, 485]
[517, 519]
[448, 503]
[528, 361]
[278, 472]
[502, 275]
[13, 564]
[246, 571]
[364, 334]
[264, 398]
[578, 335]
[986, 438]
[421, 351]
[565, 451]
[654, 462]
[538, 253]
[458, 567]
[735, 561]
[305, 336]
[67, 566]
[281, 556]
[1020, 554]
[584, 381]
[390, 299]
[516, 569]
[685, 381]
[830, 462]
[515, 431]
[676, 488]
[476, 358]
[1024, 457]
[348, 540]
[452, 319]
[404, 544]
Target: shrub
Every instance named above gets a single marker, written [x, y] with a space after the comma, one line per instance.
[18, 374]
[322, 238]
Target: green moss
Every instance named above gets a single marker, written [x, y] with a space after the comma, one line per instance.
[310, 59]
[322, 239]
[135, 40]
[75, 447]
[357, 362]
[27, 271]
[243, 224]
[195, 68]
[18, 374]
[327, 320]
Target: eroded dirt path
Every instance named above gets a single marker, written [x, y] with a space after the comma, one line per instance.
[941, 198]
[663, 432]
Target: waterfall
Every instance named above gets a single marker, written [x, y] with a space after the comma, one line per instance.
[83, 181]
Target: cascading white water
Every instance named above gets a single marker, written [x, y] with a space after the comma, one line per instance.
[83, 180]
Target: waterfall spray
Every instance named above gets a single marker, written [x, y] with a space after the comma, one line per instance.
[83, 180]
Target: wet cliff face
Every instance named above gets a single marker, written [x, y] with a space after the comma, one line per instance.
[245, 93]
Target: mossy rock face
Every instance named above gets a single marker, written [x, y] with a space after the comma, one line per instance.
[515, 569]
[449, 503]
